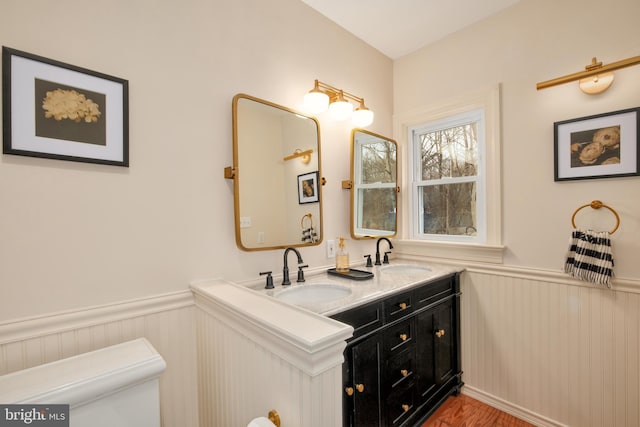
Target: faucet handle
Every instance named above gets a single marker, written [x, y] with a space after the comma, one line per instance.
[369, 263]
[378, 259]
[386, 258]
[269, 284]
[301, 273]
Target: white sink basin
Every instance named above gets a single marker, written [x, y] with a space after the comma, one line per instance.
[405, 269]
[317, 293]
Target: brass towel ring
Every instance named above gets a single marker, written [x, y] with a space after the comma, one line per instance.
[597, 204]
[304, 217]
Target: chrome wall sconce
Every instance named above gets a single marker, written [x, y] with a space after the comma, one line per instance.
[595, 79]
[324, 96]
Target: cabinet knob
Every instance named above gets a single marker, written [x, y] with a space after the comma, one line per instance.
[403, 337]
[440, 333]
[403, 305]
[405, 408]
[404, 372]
[360, 388]
[349, 391]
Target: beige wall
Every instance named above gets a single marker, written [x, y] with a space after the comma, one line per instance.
[536, 343]
[75, 235]
[533, 41]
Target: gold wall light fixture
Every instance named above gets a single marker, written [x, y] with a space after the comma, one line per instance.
[595, 79]
[324, 96]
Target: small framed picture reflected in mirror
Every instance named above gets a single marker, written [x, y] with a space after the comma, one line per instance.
[308, 188]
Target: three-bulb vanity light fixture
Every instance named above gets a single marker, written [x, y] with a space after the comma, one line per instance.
[324, 96]
[595, 79]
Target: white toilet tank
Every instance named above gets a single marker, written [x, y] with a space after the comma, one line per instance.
[116, 386]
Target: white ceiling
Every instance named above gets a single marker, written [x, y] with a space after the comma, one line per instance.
[399, 27]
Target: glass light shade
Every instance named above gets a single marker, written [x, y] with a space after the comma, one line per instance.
[362, 117]
[340, 110]
[596, 84]
[316, 102]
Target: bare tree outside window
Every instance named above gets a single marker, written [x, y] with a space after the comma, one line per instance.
[447, 192]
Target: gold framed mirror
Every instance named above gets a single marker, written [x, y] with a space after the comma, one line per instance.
[373, 185]
[276, 175]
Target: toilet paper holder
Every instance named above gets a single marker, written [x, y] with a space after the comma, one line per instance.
[274, 417]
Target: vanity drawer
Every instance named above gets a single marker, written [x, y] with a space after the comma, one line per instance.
[399, 337]
[400, 405]
[432, 292]
[398, 306]
[364, 319]
[400, 370]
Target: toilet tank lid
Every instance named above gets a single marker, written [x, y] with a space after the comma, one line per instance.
[82, 378]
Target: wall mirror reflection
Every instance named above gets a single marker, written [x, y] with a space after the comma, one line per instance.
[277, 176]
[373, 185]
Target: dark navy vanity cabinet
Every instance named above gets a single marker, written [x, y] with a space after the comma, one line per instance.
[403, 360]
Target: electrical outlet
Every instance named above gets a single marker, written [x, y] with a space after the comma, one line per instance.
[331, 248]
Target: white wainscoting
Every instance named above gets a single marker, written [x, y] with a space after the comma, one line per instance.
[552, 350]
[167, 321]
[539, 345]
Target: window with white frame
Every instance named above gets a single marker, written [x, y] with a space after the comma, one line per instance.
[448, 179]
[452, 178]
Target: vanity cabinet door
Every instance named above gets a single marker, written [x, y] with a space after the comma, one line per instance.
[436, 348]
[444, 343]
[361, 376]
[425, 349]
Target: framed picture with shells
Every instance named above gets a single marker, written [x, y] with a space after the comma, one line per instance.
[599, 146]
[60, 111]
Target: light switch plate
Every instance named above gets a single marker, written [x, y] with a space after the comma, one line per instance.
[245, 221]
[331, 248]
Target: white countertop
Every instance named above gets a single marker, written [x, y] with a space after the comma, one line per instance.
[303, 334]
[387, 279]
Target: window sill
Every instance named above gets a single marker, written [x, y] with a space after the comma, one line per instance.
[450, 250]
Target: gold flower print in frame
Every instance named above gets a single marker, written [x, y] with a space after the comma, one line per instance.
[59, 111]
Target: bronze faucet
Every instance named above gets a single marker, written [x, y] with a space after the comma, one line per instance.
[285, 268]
[386, 258]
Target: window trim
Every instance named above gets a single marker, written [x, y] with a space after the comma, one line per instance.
[487, 99]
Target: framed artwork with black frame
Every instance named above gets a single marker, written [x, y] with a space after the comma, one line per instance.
[598, 146]
[60, 111]
[308, 188]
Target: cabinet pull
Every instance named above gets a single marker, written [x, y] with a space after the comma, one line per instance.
[405, 408]
[440, 333]
[360, 387]
[404, 372]
[349, 391]
[403, 337]
[403, 305]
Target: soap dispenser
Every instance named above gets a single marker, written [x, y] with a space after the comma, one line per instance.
[342, 257]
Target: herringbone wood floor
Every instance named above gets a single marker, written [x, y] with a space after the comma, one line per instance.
[464, 411]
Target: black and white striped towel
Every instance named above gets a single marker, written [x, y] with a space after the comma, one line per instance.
[590, 257]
